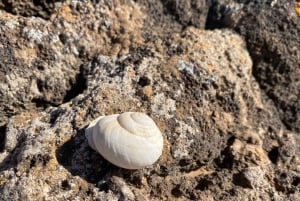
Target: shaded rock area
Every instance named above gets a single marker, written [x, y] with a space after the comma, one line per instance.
[43, 8]
[224, 137]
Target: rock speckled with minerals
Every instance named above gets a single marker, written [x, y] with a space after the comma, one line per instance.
[63, 64]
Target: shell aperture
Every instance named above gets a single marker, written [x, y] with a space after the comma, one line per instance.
[129, 140]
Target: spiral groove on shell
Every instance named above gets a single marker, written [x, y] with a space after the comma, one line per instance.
[129, 140]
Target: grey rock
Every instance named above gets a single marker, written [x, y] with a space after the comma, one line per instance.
[216, 121]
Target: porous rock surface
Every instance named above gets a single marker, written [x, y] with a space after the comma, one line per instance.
[271, 30]
[223, 137]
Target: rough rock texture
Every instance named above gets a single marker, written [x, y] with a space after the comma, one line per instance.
[223, 137]
[42, 8]
[271, 30]
[41, 59]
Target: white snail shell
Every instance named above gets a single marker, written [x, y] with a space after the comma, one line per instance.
[129, 140]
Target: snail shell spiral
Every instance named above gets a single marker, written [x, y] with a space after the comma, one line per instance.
[129, 140]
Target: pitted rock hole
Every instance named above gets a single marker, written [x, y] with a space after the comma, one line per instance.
[296, 181]
[65, 185]
[273, 154]
[2, 137]
[204, 184]
[144, 81]
[176, 192]
[226, 159]
[76, 88]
